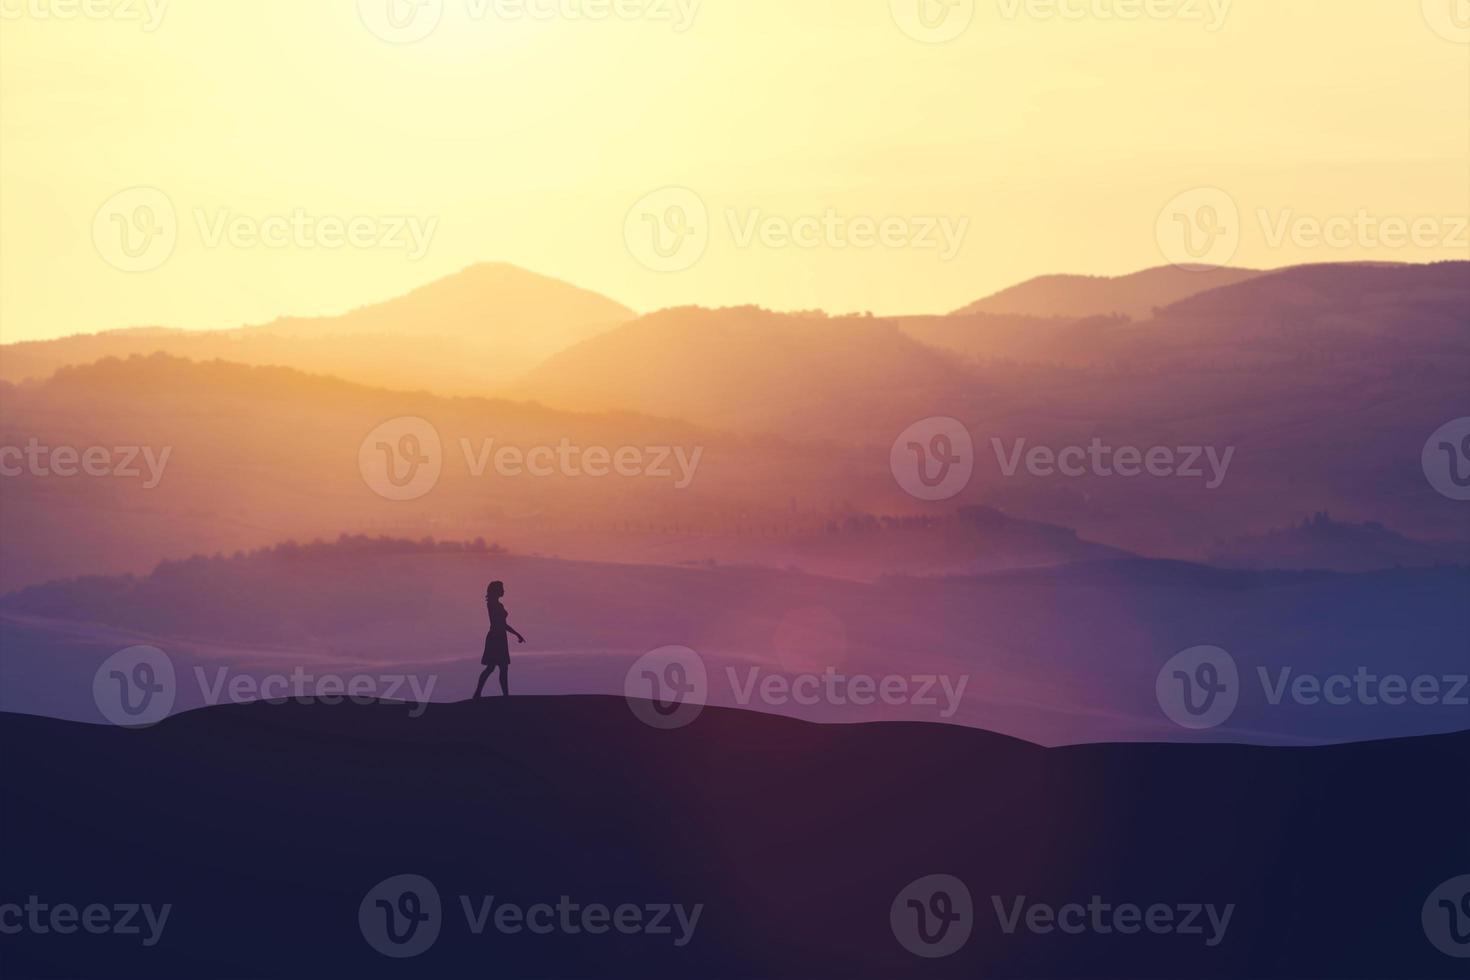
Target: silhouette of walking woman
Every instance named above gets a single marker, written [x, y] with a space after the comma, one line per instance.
[497, 641]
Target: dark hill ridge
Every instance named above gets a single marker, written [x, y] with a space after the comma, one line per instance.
[1321, 542]
[264, 827]
[1349, 289]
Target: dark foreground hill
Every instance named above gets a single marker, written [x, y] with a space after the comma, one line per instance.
[267, 829]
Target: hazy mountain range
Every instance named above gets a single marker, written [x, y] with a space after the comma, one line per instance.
[295, 471]
[763, 521]
[1321, 383]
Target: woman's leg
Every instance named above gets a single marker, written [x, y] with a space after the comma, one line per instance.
[505, 679]
[484, 676]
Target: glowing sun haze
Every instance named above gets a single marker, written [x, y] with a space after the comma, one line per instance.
[1049, 143]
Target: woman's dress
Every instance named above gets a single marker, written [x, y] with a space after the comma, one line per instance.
[497, 641]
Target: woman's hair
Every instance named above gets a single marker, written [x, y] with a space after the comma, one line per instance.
[494, 588]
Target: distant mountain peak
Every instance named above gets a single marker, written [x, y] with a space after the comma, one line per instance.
[471, 332]
[483, 294]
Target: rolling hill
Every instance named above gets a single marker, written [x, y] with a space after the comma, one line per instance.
[246, 457]
[750, 369]
[256, 455]
[1321, 542]
[466, 334]
[265, 829]
[1135, 296]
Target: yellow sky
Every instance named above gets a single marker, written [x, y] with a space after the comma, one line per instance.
[210, 163]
